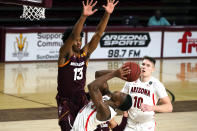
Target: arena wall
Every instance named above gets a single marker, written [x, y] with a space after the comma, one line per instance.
[123, 42]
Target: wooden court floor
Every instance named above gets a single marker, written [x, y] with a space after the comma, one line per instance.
[27, 94]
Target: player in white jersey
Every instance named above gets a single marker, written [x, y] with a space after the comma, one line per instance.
[145, 93]
[98, 111]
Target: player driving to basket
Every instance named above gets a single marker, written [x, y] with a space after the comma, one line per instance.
[98, 111]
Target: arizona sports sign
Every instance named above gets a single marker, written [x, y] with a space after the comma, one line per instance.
[118, 45]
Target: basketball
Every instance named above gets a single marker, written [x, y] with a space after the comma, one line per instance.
[135, 71]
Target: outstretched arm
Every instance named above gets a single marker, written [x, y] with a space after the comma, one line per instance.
[103, 112]
[109, 8]
[87, 11]
[66, 49]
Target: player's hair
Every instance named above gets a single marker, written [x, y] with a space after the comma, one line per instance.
[150, 59]
[67, 33]
[126, 105]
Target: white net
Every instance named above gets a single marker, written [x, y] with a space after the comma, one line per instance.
[33, 13]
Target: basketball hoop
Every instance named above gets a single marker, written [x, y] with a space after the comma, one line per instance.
[33, 13]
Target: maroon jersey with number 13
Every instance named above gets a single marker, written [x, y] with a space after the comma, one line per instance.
[72, 79]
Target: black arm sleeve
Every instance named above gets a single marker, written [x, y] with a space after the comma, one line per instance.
[122, 125]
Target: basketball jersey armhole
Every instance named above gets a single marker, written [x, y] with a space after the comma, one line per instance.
[85, 55]
[64, 63]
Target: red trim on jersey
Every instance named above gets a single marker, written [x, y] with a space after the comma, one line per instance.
[153, 99]
[64, 64]
[86, 126]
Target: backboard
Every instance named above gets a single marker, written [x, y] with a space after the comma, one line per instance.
[38, 3]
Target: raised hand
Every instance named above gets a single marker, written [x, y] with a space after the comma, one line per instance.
[122, 72]
[88, 8]
[110, 6]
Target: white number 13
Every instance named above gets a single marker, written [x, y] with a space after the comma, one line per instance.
[78, 73]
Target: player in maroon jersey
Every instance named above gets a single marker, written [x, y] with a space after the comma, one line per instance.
[72, 64]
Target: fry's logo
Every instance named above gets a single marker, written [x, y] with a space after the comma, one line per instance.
[20, 47]
[188, 44]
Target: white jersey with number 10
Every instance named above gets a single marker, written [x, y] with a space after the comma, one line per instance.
[143, 92]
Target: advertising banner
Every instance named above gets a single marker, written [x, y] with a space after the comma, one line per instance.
[120, 45]
[180, 44]
[32, 46]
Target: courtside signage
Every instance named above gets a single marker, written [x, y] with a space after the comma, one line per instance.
[32, 46]
[180, 44]
[119, 45]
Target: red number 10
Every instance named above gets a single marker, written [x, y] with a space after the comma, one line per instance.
[138, 101]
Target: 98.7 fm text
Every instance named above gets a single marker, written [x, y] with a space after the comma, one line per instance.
[123, 53]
